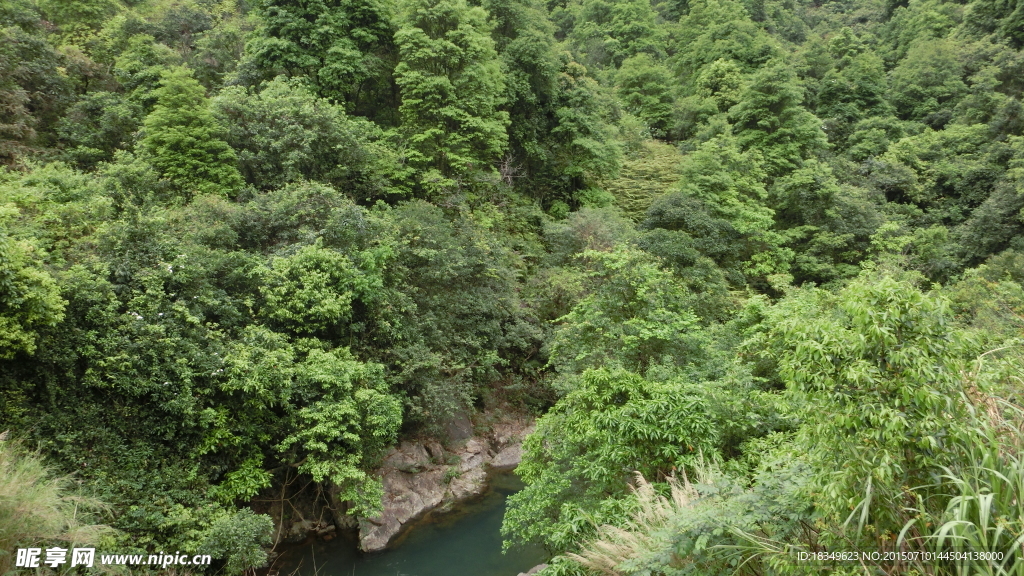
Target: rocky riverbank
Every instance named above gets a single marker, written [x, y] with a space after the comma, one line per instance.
[419, 476]
[422, 476]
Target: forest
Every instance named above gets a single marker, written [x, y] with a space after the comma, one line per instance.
[755, 266]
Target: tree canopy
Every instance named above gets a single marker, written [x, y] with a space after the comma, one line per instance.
[765, 254]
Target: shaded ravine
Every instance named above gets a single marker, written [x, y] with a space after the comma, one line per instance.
[465, 541]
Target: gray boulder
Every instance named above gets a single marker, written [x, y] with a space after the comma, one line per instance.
[406, 497]
[508, 458]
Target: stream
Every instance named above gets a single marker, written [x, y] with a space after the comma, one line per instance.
[464, 542]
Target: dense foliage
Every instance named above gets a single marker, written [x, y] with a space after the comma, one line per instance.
[772, 247]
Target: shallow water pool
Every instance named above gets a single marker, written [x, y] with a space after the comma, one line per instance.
[466, 542]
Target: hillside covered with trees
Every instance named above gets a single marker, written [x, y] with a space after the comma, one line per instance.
[766, 254]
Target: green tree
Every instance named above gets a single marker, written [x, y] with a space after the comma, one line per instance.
[916, 22]
[606, 33]
[524, 38]
[585, 149]
[1005, 18]
[312, 291]
[928, 83]
[178, 24]
[771, 119]
[828, 225]
[354, 420]
[17, 129]
[579, 461]
[854, 90]
[284, 133]
[947, 172]
[29, 298]
[449, 317]
[703, 114]
[687, 235]
[560, 138]
[184, 141]
[451, 82]
[719, 29]
[637, 316]
[140, 65]
[998, 222]
[99, 124]
[644, 86]
[728, 182]
[879, 372]
[78, 17]
[219, 51]
[35, 89]
[344, 48]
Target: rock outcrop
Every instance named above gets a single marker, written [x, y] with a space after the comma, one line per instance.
[421, 476]
[534, 570]
[508, 458]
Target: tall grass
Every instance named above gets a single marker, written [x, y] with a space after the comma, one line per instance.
[985, 510]
[613, 545]
[986, 515]
[38, 507]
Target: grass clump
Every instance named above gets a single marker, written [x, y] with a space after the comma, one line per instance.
[37, 507]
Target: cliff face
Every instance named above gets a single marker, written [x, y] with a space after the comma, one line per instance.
[421, 476]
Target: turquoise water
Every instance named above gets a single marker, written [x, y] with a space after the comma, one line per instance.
[462, 543]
